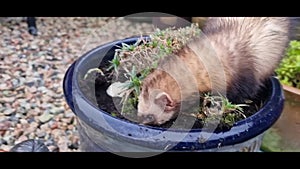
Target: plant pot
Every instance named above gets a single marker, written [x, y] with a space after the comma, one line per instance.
[99, 131]
[284, 135]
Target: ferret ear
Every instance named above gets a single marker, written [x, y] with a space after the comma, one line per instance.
[163, 99]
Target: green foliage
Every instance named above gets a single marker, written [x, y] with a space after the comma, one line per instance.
[137, 60]
[218, 109]
[135, 81]
[288, 71]
[115, 62]
[227, 106]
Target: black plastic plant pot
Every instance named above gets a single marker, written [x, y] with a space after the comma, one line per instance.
[100, 131]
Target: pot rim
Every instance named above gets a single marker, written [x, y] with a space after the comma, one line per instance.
[291, 89]
[241, 131]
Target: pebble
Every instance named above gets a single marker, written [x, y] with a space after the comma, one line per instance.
[69, 114]
[25, 105]
[45, 117]
[23, 121]
[9, 111]
[53, 148]
[7, 99]
[57, 110]
[40, 133]
[32, 89]
[4, 126]
[18, 132]
[21, 138]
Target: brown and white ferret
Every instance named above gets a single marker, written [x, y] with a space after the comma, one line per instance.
[233, 56]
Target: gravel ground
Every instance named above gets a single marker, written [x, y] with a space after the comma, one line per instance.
[32, 104]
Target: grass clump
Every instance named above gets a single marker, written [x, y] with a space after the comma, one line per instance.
[218, 109]
[136, 61]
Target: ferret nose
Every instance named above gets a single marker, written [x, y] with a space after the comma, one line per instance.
[147, 119]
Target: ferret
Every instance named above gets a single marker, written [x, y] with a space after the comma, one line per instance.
[233, 56]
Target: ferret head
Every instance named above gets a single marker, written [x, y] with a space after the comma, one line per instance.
[156, 107]
[159, 100]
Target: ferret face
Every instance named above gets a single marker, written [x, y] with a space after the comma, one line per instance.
[155, 108]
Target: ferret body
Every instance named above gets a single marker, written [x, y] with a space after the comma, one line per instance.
[233, 56]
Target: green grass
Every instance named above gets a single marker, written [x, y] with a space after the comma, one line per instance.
[217, 108]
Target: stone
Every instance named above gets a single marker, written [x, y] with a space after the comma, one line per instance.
[45, 117]
[9, 111]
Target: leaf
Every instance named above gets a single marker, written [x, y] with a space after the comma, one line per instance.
[91, 71]
[117, 89]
